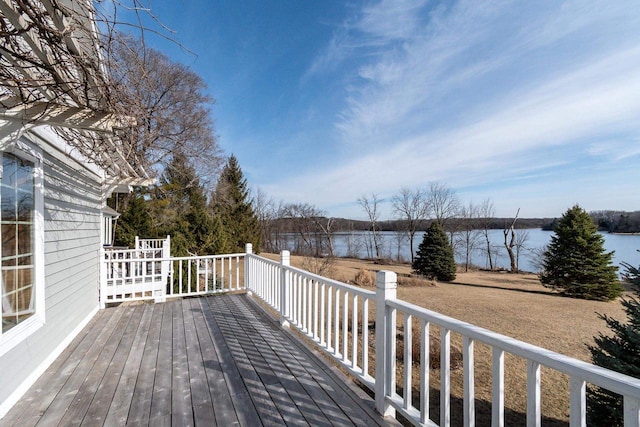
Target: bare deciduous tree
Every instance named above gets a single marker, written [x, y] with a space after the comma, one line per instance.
[400, 237]
[536, 257]
[510, 242]
[106, 94]
[468, 235]
[486, 212]
[411, 206]
[314, 236]
[266, 210]
[444, 205]
[370, 206]
[521, 240]
[354, 242]
[171, 108]
[51, 75]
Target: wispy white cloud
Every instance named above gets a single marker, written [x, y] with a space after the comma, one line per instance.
[332, 55]
[391, 20]
[375, 26]
[483, 93]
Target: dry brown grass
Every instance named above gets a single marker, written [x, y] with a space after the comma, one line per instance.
[516, 305]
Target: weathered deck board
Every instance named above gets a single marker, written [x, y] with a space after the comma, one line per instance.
[66, 394]
[48, 385]
[220, 393]
[243, 404]
[200, 396]
[201, 361]
[119, 408]
[99, 407]
[143, 391]
[261, 355]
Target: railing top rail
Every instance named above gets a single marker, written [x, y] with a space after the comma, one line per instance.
[344, 286]
[614, 381]
[354, 290]
[113, 252]
[184, 258]
[265, 260]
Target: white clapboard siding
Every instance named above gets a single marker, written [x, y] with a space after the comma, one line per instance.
[72, 202]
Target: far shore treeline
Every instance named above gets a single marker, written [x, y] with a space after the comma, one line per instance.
[607, 221]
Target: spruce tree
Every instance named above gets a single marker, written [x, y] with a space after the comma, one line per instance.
[576, 264]
[184, 208]
[134, 221]
[618, 351]
[235, 210]
[434, 258]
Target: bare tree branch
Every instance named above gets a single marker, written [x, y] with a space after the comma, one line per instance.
[60, 65]
[370, 206]
[412, 206]
[510, 243]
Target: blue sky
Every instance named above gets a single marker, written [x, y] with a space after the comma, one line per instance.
[535, 105]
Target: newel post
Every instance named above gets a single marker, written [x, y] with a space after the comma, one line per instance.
[386, 284]
[285, 261]
[631, 411]
[103, 277]
[160, 295]
[247, 268]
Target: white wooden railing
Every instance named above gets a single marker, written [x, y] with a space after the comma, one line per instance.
[334, 316]
[142, 244]
[149, 272]
[201, 275]
[135, 274]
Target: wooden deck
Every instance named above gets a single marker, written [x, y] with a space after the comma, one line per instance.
[201, 361]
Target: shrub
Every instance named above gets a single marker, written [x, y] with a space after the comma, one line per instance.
[365, 278]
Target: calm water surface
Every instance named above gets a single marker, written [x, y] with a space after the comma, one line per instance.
[359, 244]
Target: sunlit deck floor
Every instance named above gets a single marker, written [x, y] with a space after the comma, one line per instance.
[205, 361]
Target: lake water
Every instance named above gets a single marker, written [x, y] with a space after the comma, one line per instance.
[358, 244]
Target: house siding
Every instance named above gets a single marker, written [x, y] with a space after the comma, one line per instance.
[72, 221]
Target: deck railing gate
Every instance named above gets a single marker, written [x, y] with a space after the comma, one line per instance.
[148, 272]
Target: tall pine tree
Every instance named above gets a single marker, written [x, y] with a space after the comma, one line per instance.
[235, 210]
[618, 351]
[576, 264]
[434, 258]
[186, 217]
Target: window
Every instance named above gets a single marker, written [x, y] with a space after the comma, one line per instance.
[21, 244]
[16, 215]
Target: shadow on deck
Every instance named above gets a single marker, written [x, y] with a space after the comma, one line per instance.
[204, 361]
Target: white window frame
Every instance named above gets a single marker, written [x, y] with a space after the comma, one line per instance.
[21, 331]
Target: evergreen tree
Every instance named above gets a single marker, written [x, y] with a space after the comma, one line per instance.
[234, 209]
[134, 221]
[177, 207]
[620, 352]
[206, 232]
[575, 263]
[434, 258]
[184, 207]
